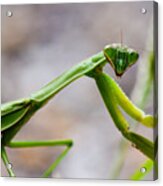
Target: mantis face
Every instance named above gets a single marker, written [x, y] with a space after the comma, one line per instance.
[120, 57]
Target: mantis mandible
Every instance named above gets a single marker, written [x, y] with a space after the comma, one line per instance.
[15, 114]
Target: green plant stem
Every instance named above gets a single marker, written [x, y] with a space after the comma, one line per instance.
[138, 175]
[122, 150]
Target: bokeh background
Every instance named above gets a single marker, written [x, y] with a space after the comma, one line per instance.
[39, 42]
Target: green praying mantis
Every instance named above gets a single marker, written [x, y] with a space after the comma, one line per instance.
[15, 114]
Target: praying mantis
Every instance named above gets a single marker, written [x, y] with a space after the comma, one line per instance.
[15, 114]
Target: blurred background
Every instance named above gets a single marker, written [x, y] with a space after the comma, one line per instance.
[39, 42]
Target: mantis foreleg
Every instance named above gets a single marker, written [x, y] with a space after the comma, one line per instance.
[129, 107]
[107, 89]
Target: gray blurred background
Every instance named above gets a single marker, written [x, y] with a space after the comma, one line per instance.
[39, 42]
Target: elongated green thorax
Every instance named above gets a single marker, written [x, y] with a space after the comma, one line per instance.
[16, 113]
[120, 57]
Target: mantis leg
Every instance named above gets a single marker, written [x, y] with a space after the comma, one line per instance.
[6, 162]
[108, 94]
[26, 144]
[129, 107]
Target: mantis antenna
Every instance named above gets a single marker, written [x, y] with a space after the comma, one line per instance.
[121, 37]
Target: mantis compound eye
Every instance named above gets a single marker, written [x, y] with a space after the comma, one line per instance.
[132, 58]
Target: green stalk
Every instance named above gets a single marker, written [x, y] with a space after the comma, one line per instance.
[139, 175]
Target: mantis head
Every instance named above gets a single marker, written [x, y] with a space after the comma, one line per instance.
[120, 57]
